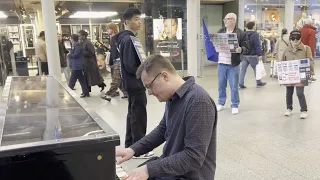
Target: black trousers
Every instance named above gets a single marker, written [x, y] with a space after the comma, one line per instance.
[79, 75]
[44, 68]
[301, 97]
[136, 118]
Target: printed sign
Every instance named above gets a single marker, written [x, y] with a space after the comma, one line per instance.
[225, 42]
[294, 72]
[139, 49]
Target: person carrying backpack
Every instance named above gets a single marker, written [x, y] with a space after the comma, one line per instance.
[253, 56]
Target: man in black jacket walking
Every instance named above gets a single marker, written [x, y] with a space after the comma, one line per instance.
[228, 65]
[137, 113]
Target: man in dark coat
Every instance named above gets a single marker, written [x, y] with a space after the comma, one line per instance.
[92, 72]
[228, 65]
[63, 60]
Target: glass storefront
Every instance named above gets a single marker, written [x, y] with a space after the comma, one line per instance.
[270, 16]
[163, 28]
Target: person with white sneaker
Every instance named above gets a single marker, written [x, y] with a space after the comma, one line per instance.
[228, 65]
[297, 50]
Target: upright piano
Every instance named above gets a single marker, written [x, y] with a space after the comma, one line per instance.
[48, 133]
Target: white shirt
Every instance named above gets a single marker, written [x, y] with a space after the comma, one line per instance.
[225, 58]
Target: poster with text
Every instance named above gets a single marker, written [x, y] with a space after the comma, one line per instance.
[225, 42]
[167, 36]
[139, 48]
[294, 72]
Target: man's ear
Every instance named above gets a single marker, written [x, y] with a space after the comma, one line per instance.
[126, 22]
[165, 75]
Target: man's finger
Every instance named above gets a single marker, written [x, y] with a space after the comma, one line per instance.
[121, 161]
[119, 153]
[124, 177]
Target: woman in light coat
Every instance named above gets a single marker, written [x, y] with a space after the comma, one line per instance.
[296, 51]
[282, 43]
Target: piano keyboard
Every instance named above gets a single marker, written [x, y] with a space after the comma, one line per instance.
[120, 172]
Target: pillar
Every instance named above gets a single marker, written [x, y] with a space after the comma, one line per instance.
[193, 29]
[49, 22]
[289, 15]
[39, 20]
[241, 14]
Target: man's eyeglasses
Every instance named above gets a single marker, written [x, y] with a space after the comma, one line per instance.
[148, 86]
[227, 19]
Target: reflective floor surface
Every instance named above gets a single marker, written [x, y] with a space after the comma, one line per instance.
[258, 143]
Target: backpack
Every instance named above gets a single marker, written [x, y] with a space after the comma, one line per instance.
[250, 43]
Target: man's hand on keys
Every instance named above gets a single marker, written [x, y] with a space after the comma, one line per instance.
[125, 154]
[140, 173]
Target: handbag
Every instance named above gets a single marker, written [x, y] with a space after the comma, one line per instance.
[260, 71]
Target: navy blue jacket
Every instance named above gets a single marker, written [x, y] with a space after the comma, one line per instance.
[76, 57]
[255, 43]
[129, 63]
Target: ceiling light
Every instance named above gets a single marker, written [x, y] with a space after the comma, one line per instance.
[143, 16]
[245, 6]
[92, 14]
[2, 15]
[116, 20]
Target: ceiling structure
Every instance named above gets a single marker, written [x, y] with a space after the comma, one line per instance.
[8, 7]
[16, 8]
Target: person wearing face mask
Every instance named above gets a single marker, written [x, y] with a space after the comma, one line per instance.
[297, 50]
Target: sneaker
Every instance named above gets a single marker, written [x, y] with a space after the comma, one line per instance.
[106, 97]
[261, 84]
[304, 115]
[220, 108]
[241, 86]
[235, 111]
[145, 156]
[288, 113]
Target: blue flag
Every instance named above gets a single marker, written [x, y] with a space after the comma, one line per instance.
[212, 54]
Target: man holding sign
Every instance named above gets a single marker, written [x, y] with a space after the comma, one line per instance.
[228, 64]
[130, 61]
[292, 72]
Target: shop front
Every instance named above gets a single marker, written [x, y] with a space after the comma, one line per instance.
[271, 16]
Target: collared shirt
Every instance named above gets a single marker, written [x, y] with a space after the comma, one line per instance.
[189, 130]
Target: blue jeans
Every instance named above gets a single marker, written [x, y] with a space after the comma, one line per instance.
[228, 73]
[246, 60]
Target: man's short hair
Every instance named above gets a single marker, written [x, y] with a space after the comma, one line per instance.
[154, 64]
[75, 37]
[250, 25]
[42, 34]
[233, 15]
[130, 13]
